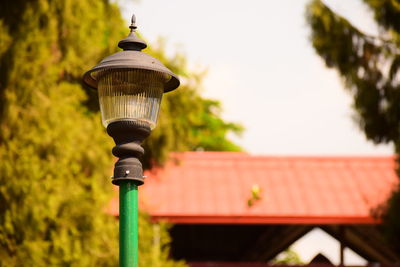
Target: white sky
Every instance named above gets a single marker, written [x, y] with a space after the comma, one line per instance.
[263, 69]
[261, 66]
[317, 241]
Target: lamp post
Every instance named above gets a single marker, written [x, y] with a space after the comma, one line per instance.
[130, 85]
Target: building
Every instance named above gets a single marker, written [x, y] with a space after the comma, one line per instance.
[232, 208]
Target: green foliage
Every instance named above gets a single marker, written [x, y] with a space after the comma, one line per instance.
[153, 245]
[255, 195]
[55, 159]
[288, 257]
[368, 65]
[370, 68]
[391, 220]
[52, 186]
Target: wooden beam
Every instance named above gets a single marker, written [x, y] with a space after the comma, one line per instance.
[365, 241]
[274, 240]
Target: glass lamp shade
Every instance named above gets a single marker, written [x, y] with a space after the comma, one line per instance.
[130, 94]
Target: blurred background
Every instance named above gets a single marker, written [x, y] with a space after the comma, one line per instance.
[312, 80]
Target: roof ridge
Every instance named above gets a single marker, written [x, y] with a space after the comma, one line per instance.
[288, 156]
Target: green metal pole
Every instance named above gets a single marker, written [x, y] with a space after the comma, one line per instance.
[128, 224]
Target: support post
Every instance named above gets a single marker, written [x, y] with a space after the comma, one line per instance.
[128, 175]
[342, 246]
[128, 224]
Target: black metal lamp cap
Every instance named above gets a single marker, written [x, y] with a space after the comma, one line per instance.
[131, 58]
[132, 42]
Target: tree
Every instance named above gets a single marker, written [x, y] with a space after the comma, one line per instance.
[55, 155]
[52, 186]
[369, 66]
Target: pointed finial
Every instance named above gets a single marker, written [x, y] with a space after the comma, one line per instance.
[133, 23]
[132, 42]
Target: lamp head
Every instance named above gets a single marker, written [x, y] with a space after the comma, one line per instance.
[131, 83]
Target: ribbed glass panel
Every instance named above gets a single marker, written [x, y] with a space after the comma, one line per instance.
[130, 94]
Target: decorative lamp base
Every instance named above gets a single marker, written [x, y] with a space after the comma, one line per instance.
[128, 135]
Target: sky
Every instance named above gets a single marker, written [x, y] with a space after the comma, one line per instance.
[263, 69]
[261, 66]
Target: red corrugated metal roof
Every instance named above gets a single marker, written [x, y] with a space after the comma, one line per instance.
[214, 187]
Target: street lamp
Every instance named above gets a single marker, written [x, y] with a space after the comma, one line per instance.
[130, 85]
